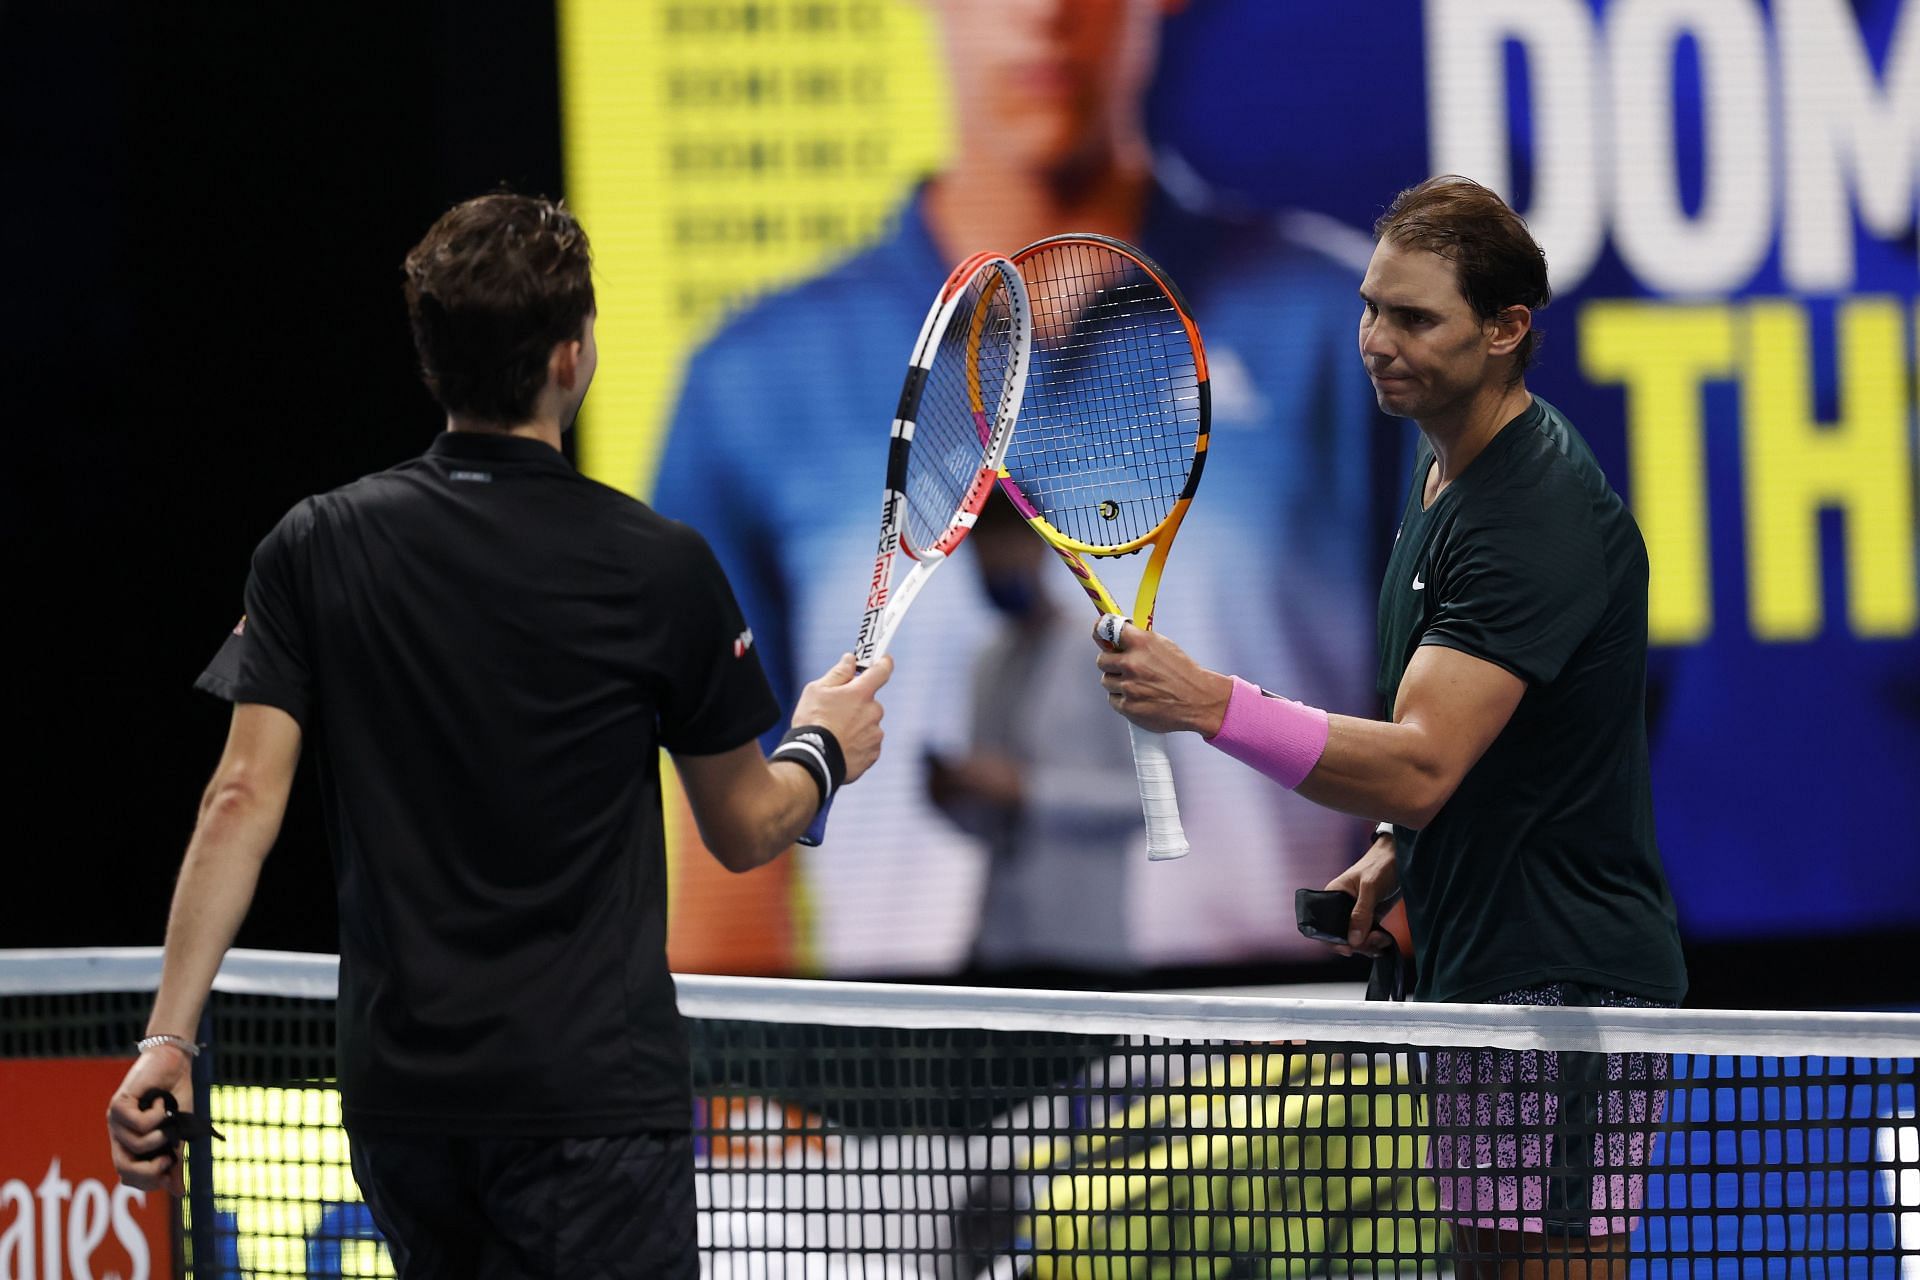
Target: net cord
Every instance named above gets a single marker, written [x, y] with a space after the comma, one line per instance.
[1759, 1033]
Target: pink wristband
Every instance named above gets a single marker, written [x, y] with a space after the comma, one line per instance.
[1281, 738]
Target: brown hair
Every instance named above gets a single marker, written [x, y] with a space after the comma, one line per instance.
[491, 288]
[1494, 256]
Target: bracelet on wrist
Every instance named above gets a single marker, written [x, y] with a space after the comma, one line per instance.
[814, 748]
[181, 1043]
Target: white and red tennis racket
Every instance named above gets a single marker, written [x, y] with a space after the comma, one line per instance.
[949, 437]
[1112, 438]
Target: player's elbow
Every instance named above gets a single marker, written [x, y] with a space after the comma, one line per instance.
[744, 843]
[233, 795]
[743, 853]
[744, 814]
[1429, 785]
[1416, 817]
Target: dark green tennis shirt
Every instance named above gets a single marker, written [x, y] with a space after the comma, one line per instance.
[1542, 867]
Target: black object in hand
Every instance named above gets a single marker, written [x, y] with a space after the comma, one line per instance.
[1324, 915]
[180, 1126]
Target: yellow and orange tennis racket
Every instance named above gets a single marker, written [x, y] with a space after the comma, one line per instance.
[1111, 439]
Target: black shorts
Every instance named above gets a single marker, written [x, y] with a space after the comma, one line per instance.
[532, 1207]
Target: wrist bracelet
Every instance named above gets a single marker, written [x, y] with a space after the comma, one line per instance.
[1383, 829]
[814, 748]
[181, 1043]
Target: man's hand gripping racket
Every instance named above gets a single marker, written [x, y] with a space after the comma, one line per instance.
[948, 441]
[1112, 438]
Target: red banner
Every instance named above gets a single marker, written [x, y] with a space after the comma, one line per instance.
[63, 1211]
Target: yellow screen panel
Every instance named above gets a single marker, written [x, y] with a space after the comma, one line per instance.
[716, 149]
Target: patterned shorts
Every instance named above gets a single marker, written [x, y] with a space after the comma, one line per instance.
[1545, 1142]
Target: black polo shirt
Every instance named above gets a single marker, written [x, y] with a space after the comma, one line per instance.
[486, 651]
[1542, 867]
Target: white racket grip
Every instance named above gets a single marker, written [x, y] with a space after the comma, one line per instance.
[1166, 839]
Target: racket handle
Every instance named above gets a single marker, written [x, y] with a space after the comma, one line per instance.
[1166, 839]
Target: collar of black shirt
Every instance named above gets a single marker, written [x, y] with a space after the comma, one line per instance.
[496, 446]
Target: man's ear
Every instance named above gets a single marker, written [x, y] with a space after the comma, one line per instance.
[563, 365]
[1506, 330]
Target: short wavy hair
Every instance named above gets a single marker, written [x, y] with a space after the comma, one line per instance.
[495, 283]
[1495, 258]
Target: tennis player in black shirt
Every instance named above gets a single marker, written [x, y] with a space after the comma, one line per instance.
[486, 652]
[1511, 764]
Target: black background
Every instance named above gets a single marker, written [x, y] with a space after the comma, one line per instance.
[203, 217]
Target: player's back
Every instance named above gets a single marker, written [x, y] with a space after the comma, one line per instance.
[492, 640]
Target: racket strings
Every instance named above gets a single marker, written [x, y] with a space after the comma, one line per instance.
[965, 393]
[1113, 410]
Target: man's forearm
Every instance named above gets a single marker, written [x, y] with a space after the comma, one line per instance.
[235, 832]
[1448, 710]
[1368, 768]
[1378, 769]
[750, 810]
[791, 804]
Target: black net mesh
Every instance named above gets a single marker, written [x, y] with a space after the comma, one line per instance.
[827, 1150]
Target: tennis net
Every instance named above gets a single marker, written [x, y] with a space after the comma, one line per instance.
[847, 1129]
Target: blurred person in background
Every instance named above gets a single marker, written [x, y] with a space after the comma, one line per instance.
[1046, 779]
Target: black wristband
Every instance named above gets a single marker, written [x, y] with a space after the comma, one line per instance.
[814, 748]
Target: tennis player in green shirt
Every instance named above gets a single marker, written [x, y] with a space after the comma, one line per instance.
[1510, 766]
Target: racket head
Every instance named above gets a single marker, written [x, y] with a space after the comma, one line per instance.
[956, 413]
[959, 404]
[950, 430]
[1117, 410]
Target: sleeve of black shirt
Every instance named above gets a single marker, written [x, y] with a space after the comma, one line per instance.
[266, 659]
[1522, 590]
[721, 698]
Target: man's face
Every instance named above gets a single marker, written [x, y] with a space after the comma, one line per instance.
[1045, 79]
[1425, 349]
